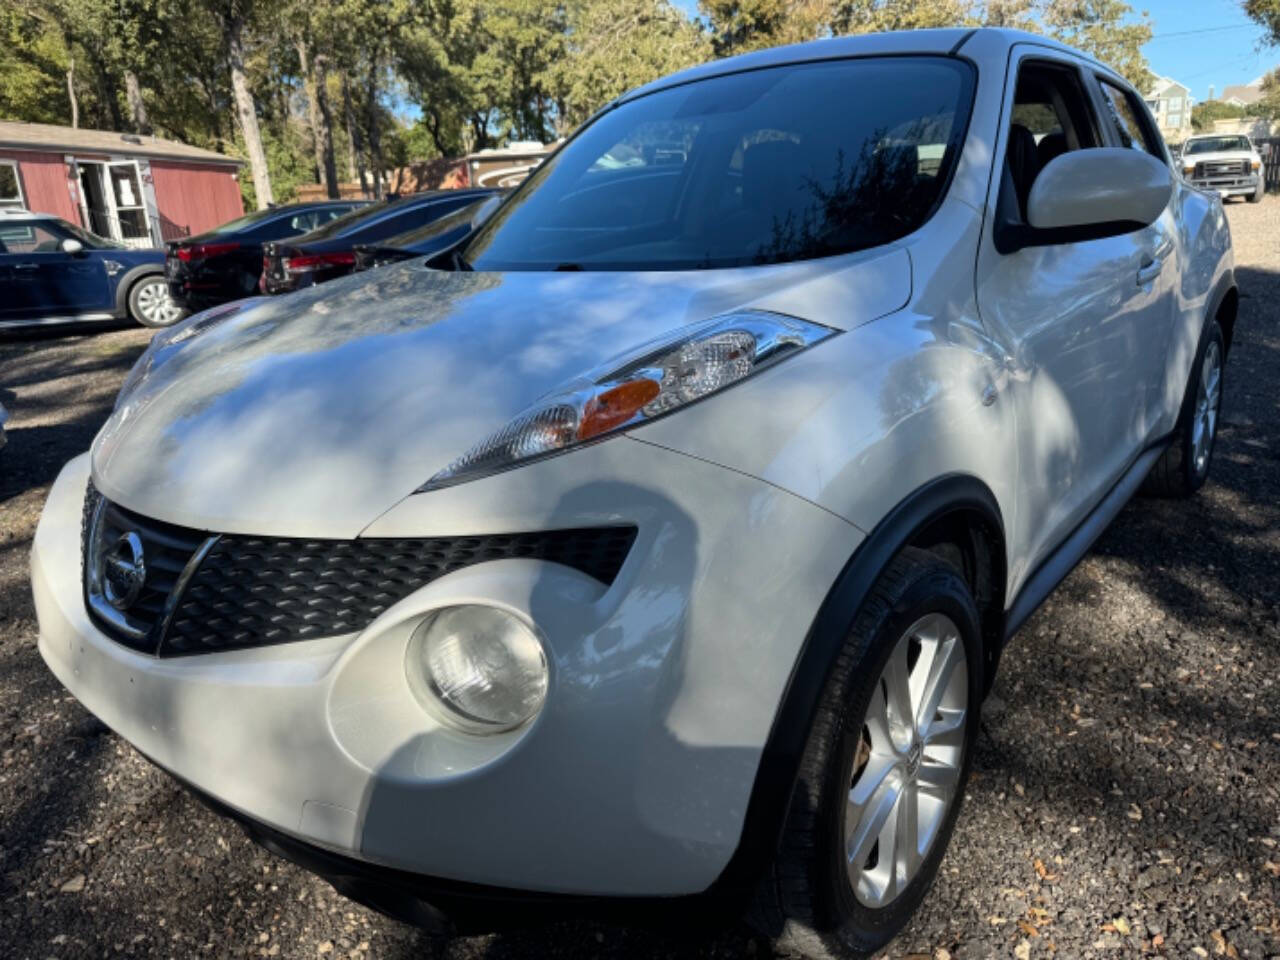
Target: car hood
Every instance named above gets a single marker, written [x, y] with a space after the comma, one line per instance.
[312, 414]
[1219, 155]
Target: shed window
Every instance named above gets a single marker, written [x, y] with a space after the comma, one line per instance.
[10, 185]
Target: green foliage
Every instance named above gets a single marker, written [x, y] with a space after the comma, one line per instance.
[1267, 14]
[479, 72]
[1268, 108]
[616, 45]
[1204, 114]
[1107, 31]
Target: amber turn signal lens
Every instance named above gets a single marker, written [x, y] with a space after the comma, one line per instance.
[615, 406]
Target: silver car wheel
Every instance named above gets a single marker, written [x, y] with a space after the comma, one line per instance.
[1206, 416]
[909, 759]
[155, 305]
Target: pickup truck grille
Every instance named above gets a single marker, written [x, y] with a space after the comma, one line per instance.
[1220, 168]
[207, 593]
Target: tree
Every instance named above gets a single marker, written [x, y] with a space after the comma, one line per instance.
[1104, 30]
[234, 17]
[868, 16]
[615, 45]
[1268, 108]
[1267, 14]
[738, 26]
[1204, 114]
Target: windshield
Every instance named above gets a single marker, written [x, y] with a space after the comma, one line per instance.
[248, 220]
[764, 166]
[1216, 144]
[451, 227]
[91, 241]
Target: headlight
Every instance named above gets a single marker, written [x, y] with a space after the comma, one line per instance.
[477, 668]
[1188, 170]
[1256, 164]
[647, 383]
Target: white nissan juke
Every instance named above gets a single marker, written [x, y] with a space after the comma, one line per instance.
[656, 546]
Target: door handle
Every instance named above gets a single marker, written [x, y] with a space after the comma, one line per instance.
[1150, 269]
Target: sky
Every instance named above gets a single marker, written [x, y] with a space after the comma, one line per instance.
[1222, 50]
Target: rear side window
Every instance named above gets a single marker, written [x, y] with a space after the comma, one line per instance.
[1130, 124]
[762, 166]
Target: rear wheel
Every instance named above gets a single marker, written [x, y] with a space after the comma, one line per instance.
[884, 767]
[151, 305]
[1183, 468]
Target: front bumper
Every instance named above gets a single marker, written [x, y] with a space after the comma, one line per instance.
[1229, 186]
[635, 778]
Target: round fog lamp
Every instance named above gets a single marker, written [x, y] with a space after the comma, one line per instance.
[477, 668]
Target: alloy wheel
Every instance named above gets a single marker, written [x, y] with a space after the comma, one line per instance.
[155, 304]
[1209, 397]
[909, 759]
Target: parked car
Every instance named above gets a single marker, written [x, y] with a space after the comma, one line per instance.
[1226, 164]
[223, 264]
[660, 552]
[330, 251]
[431, 240]
[52, 272]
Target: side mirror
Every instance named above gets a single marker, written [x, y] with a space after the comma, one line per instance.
[71, 246]
[1099, 193]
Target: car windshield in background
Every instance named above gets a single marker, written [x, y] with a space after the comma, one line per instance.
[1215, 145]
[248, 220]
[763, 166]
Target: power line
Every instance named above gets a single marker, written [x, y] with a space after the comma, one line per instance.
[1187, 33]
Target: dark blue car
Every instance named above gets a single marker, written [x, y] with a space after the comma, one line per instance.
[52, 271]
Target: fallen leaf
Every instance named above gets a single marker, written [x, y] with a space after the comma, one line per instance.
[942, 953]
[74, 885]
[1135, 812]
[1028, 929]
[1272, 868]
[1158, 941]
[1200, 951]
[996, 921]
[1121, 925]
[1023, 950]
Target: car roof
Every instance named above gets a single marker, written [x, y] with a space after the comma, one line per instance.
[945, 40]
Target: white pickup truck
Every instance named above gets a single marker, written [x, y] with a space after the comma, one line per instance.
[1226, 164]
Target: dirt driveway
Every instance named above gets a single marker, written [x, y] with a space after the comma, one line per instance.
[1125, 801]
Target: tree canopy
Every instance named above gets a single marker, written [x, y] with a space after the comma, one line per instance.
[317, 91]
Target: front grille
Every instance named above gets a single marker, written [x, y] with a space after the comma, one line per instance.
[1220, 168]
[245, 591]
[167, 550]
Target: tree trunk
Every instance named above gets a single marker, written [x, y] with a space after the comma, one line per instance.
[315, 72]
[245, 112]
[108, 93]
[375, 137]
[355, 163]
[137, 108]
[71, 93]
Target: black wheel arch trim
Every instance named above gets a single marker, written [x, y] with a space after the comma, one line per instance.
[780, 761]
[127, 281]
[1225, 286]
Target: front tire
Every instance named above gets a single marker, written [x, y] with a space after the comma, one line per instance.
[150, 303]
[1184, 467]
[1257, 195]
[884, 768]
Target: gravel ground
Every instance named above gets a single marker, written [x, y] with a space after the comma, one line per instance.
[1126, 790]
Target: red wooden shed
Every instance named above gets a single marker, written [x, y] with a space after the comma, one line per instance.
[141, 191]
